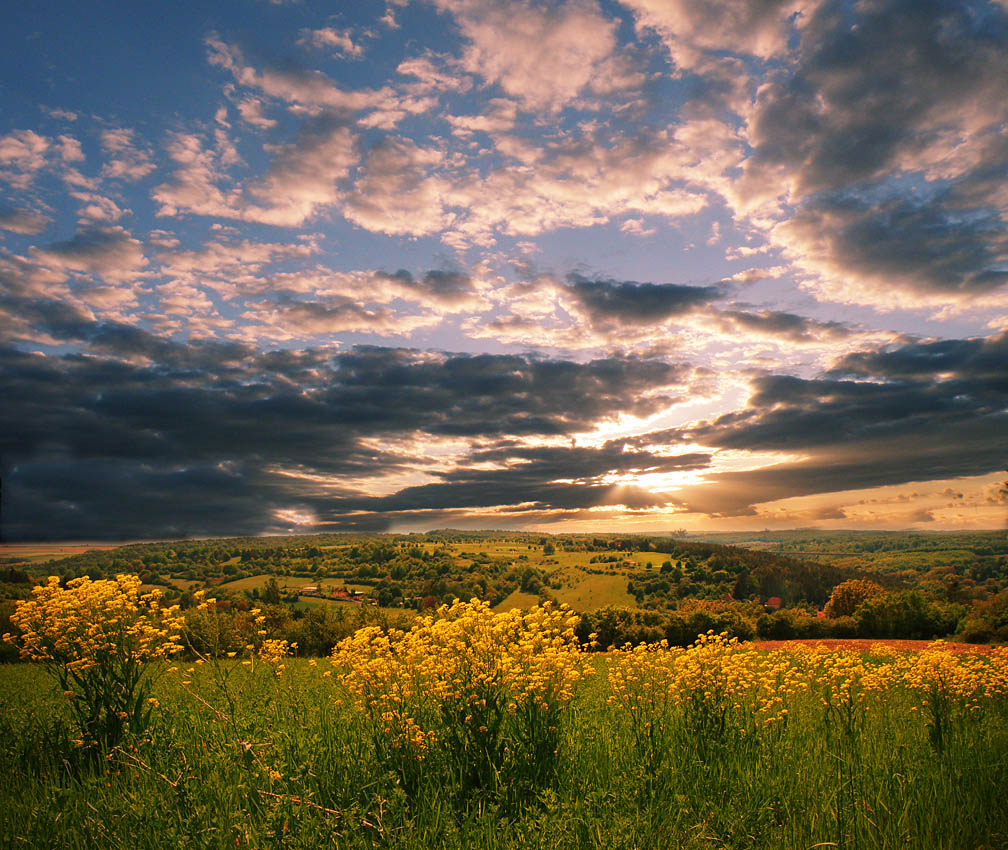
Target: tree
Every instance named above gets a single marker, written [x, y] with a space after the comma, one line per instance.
[271, 593]
[848, 596]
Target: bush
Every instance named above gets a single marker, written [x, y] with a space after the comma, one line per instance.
[473, 697]
[96, 638]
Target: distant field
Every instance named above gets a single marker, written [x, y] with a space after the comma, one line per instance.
[290, 584]
[596, 591]
[34, 553]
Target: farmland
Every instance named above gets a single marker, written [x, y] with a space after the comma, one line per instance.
[629, 588]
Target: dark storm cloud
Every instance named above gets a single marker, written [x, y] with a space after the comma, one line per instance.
[628, 302]
[922, 247]
[888, 137]
[964, 359]
[59, 319]
[542, 478]
[141, 438]
[787, 326]
[920, 412]
[74, 498]
[491, 395]
[875, 86]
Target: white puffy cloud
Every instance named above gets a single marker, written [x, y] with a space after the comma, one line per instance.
[542, 56]
[22, 154]
[128, 160]
[341, 41]
[759, 28]
[397, 192]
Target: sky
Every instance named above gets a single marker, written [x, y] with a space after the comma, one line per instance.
[572, 266]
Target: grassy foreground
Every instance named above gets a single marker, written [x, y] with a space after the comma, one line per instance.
[238, 756]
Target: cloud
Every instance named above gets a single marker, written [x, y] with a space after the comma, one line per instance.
[497, 115]
[232, 266]
[876, 144]
[25, 222]
[549, 478]
[195, 184]
[875, 252]
[436, 288]
[581, 181]
[856, 110]
[97, 208]
[291, 319]
[950, 359]
[542, 56]
[397, 193]
[776, 324]
[919, 412]
[245, 433]
[311, 89]
[251, 111]
[302, 180]
[305, 176]
[109, 253]
[622, 303]
[340, 41]
[435, 72]
[127, 160]
[759, 28]
[22, 154]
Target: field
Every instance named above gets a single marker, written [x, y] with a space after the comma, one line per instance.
[495, 730]
[36, 553]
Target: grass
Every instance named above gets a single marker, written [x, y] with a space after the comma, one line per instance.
[589, 592]
[290, 584]
[517, 599]
[286, 762]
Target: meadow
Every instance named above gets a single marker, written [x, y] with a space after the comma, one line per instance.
[497, 730]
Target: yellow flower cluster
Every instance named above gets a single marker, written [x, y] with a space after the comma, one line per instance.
[719, 678]
[968, 679]
[465, 665]
[716, 674]
[87, 623]
[274, 650]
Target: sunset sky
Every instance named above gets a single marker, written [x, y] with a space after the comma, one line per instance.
[568, 266]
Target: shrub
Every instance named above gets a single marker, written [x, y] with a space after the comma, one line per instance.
[96, 639]
[471, 696]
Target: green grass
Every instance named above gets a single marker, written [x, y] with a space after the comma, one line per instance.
[588, 591]
[201, 778]
[290, 584]
[517, 599]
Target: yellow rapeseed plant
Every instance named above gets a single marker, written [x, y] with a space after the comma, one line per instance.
[715, 688]
[96, 638]
[476, 693]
